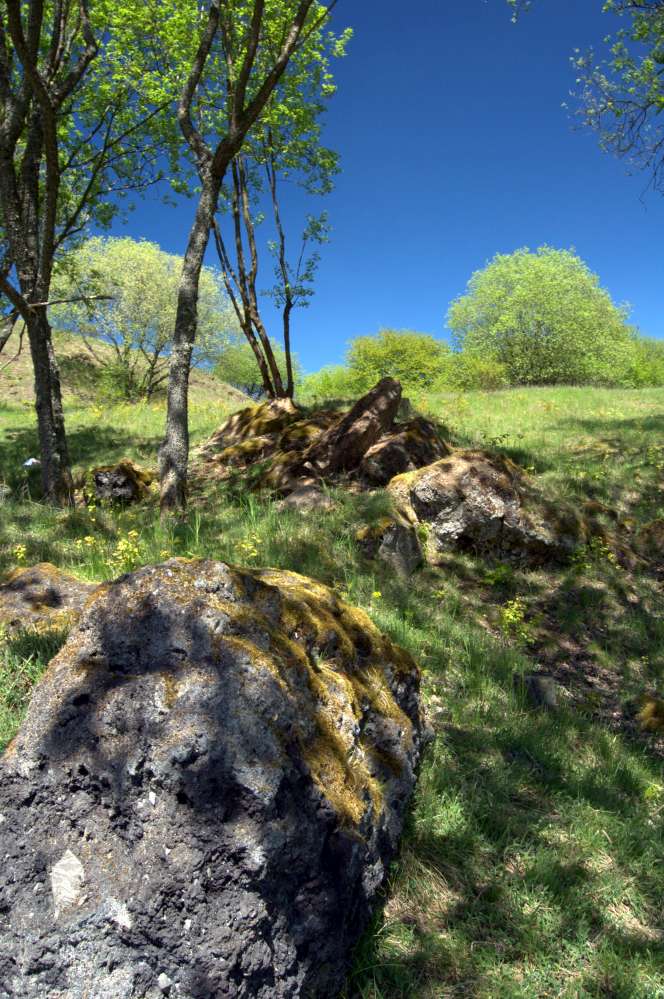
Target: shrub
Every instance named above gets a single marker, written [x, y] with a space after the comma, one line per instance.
[334, 382]
[465, 371]
[413, 358]
[544, 316]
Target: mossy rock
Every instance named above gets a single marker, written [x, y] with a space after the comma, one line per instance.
[234, 749]
[122, 483]
[482, 502]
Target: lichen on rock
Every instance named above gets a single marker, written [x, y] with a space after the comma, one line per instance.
[228, 755]
[475, 500]
[42, 596]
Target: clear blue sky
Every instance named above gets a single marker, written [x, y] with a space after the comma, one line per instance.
[454, 147]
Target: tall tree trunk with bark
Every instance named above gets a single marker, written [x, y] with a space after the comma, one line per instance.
[174, 450]
[56, 476]
[238, 53]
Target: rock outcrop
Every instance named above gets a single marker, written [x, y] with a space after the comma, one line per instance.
[204, 796]
[294, 450]
[42, 596]
[476, 501]
[122, 483]
[394, 542]
[405, 448]
[343, 446]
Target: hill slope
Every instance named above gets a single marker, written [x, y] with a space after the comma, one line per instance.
[80, 373]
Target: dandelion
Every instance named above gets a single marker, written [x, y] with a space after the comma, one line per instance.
[164, 553]
[376, 595]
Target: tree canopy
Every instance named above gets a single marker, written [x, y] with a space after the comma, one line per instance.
[622, 96]
[413, 358]
[134, 289]
[545, 317]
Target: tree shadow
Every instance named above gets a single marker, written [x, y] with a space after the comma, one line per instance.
[232, 757]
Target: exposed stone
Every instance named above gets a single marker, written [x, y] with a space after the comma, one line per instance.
[473, 500]
[406, 447]
[540, 690]
[122, 483]
[228, 756]
[262, 420]
[395, 543]
[343, 446]
[42, 596]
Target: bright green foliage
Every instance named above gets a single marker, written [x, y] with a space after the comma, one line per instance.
[464, 371]
[415, 359]
[645, 367]
[333, 382]
[622, 97]
[138, 318]
[237, 366]
[544, 316]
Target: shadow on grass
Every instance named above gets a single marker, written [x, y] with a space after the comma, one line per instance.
[87, 446]
[527, 902]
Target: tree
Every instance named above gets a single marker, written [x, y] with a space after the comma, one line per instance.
[543, 316]
[284, 146]
[415, 359]
[133, 288]
[73, 137]
[622, 97]
[243, 51]
[237, 366]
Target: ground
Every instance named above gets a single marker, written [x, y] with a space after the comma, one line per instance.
[532, 863]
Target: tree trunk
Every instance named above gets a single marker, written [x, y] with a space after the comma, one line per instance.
[290, 386]
[174, 450]
[55, 466]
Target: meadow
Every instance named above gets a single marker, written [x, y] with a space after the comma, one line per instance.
[532, 865]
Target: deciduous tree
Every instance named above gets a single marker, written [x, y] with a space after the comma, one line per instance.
[621, 97]
[545, 317]
[122, 294]
[243, 51]
[73, 137]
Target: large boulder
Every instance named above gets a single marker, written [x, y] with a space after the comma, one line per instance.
[404, 448]
[343, 446]
[265, 421]
[42, 597]
[482, 502]
[206, 792]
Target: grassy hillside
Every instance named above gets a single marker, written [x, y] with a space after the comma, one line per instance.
[79, 373]
[532, 863]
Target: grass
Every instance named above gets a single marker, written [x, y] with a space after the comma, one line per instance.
[532, 862]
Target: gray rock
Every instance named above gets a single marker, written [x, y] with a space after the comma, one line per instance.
[400, 548]
[42, 594]
[540, 690]
[307, 497]
[121, 484]
[217, 765]
[342, 447]
[404, 448]
[474, 500]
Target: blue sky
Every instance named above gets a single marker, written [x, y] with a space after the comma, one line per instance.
[454, 147]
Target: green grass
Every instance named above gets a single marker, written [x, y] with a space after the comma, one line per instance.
[532, 862]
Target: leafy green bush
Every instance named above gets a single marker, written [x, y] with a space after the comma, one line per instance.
[465, 371]
[237, 366]
[543, 316]
[335, 381]
[645, 364]
[415, 359]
